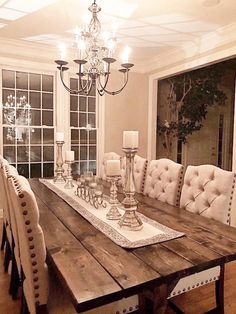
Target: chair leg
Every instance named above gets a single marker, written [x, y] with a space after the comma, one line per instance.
[219, 291]
[15, 279]
[24, 306]
[42, 309]
[7, 256]
[4, 237]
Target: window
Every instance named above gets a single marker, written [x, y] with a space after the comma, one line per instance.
[28, 122]
[83, 129]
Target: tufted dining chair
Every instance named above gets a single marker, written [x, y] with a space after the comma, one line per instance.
[107, 156]
[164, 180]
[140, 168]
[207, 191]
[31, 244]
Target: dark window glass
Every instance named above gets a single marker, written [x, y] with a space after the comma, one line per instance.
[74, 136]
[9, 152]
[92, 152]
[48, 170]
[47, 118]
[76, 150]
[74, 119]
[74, 103]
[23, 170]
[35, 99]
[82, 120]
[91, 104]
[21, 80]
[22, 153]
[8, 79]
[47, 83]
[35, 117]
[83, 153]
[35, 136]
[83, 136]
[47, 101]
[82, 103]
[48, 153]
[35, 170]
[48, 136]
[35, 153]
[35, 81]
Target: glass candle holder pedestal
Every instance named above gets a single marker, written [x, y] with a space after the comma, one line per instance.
[69, 179]
[59, 178]
[130, 220]
[113, 213]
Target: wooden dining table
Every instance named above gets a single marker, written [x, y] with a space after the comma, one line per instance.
[96, 271]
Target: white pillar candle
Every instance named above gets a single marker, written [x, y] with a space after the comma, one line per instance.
[70, 155]
[60, 137]
[113, 168]
[130, 139]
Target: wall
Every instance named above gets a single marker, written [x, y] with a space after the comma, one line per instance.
[127, 111]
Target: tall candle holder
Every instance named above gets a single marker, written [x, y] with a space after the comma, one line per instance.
[69, 179]
[130, 219]
[59, 178]
[113, 213]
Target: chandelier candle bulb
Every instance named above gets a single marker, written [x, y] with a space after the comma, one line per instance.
[70, 155]
[59, 137]
[113, 168]
[130, 139]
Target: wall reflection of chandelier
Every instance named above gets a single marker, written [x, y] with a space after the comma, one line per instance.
[94, 58]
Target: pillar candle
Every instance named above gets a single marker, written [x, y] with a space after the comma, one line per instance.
[70, 155]
[113, 168]
[130, 139]
[60, 137]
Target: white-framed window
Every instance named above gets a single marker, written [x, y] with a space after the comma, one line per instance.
[83, 129]
[28, 122]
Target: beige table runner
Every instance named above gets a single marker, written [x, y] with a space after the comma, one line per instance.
[151, 233]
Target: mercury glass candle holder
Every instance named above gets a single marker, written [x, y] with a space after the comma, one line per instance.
[130, 220]
[59, 178]
[69, 179]
[113, 213]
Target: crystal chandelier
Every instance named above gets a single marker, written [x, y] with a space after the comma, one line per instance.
[94, 58]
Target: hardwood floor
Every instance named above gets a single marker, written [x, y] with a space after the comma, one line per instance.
[195, 302]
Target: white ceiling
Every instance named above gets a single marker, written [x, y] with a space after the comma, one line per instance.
[149, 27]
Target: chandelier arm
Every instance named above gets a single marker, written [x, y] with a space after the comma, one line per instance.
[72, 91]
[119, 90]
[100, 84]
[87, 87]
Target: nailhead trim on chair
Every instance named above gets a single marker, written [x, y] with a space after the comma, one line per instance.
[144, 176]
[179, 187]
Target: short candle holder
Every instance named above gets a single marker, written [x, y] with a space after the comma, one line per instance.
[69, 179]
[113, 213]
[59, 178]
[130, 220]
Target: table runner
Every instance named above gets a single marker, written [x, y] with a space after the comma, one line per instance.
[151, 233]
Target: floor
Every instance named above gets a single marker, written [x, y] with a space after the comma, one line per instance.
[195, 302]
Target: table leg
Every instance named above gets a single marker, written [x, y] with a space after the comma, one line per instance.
[160, 299]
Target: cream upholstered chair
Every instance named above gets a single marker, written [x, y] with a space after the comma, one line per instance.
[107, 156]
[207, 191]
[164, 181]
[140, 167]
[31, 244]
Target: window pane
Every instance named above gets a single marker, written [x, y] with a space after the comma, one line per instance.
[9, 116]
[35, 153]
[48, 136]
[23, 170]
[75, 168]
[8, 79]
[9, 135]
[83, 136]
[83, 152]
[22, 135]
[92, 166]
[35, 81]
[35, 99]
[35, 117]
[47, 118]
[74, 136]
[82, 120]
[48, 170]
[91, 104]
[48, 153]
[23, 153]
[82, 103]
[92, 137]
[93, 91]
[74, 119]
[47, 101]
[83, 167]
[35, 136]
[74, 103]
[35, 170]
[73, 83]
[92, 152]
[76, 150]
[91, 120]
[47, 83]
[21, 80]
[9, 152]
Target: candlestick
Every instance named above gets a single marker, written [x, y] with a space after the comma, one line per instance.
[59, 170]
[130, 220]
[69, 179]
[113, 168]
[113, 213]
[130, 139]
[70, 155]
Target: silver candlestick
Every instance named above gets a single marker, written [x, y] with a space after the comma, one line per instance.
[59, 170]
[113, 213]
[69, 179]
[130, 219]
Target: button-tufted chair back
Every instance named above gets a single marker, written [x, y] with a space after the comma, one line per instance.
[208, 191]
[164, 180]
[31, 243]
[107, 156]
[3, 196]
[140, 168]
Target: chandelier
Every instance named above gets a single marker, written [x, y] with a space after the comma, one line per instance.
[94, 58]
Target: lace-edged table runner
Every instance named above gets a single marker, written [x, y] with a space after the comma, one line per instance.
[151, 233]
